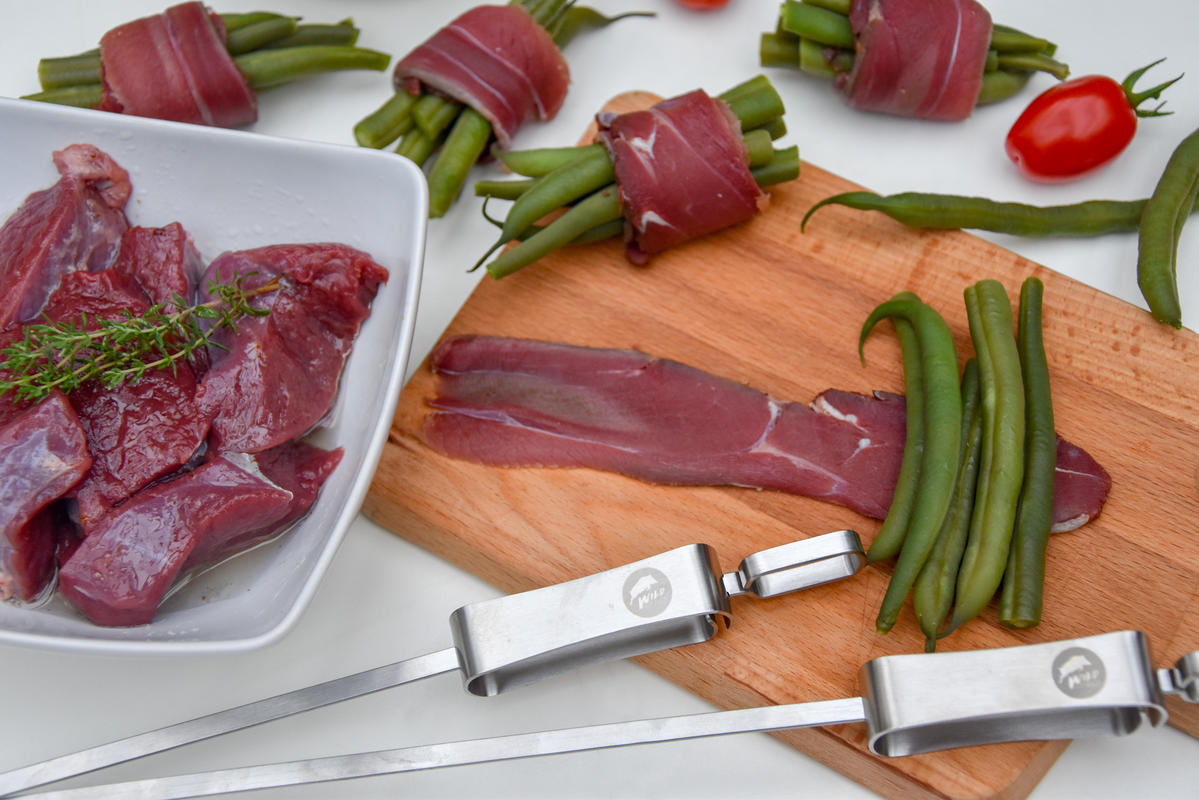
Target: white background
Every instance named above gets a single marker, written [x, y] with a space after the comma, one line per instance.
[383, 599]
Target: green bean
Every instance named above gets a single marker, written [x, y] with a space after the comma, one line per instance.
[434, 113]
[504, 190]
[932, 596]
[1009, 40]
[606, 230]
[889, 538]
[777, 128]
[941, 408]
[266, 69]
[947, 211]
[416, 146]
[538, 162]
[782, 168]
[556, 189]
[1023, 583]
[255, 35]
[580, 18]
[88, 96]
[839, 6]
[817, 24]
[1001, 471]
[342, 33]
[827, 62]
[387, 123]
[1162, 222]
[1034, 62]
[755, 108]
[464, 144]
[599, 208]
[60, 73]
[759, 147]
[778, 50]
[1000, 85]
[752, 86]
[235, 21]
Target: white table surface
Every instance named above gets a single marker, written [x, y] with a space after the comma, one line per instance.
[384, 599]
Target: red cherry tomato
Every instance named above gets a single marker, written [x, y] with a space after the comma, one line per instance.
[1077, 126]
[703, 4]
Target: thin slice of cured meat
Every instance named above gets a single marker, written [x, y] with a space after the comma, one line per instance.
[498, 61]
[1080, 483]
[164, 262]
[682, 170]
[141, 430]
[917, 58]
[276, 377]
[43, 453]
[122, 571]
[518, 402]
[76, 224]
[174, 66]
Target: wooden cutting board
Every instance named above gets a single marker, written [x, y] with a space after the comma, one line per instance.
[780, 310]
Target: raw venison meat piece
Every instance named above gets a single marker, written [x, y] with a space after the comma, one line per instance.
[495, 59]
[140, 431]
[122, 571]
[43, 453]
[75, 224]
[278, 374]
[164, 262]
[519, 402]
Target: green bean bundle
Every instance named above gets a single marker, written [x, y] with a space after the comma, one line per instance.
[815, 37]
[447, 137]
[269, 49]
[576, 184]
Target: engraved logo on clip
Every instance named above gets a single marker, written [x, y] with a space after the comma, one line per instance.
[1078, 672]
[647, 592]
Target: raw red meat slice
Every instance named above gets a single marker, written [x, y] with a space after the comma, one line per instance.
[295, 466]
[164, 261]
[278, 376]
[682, 170]
[1080, 484]
[43, 454]
[518, 402]
[122, 571]
[498, 61]
[75, 224]
[141, 430]
[174, 66]
[917, 58]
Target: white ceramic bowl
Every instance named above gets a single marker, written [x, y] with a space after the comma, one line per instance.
[234, 190]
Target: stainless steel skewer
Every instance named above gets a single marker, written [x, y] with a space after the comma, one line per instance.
[1100, 685]
[669, 600]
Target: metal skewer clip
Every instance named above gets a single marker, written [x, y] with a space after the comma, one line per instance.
[1100, 685]
[669, 600]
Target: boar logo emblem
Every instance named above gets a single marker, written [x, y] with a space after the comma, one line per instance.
[647, 592]
[1078, 672]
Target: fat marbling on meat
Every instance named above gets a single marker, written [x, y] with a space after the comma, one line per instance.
[276, 377]
[495, 59]
[76, 224]
[519, 402]
[682, 171]
[917, 58]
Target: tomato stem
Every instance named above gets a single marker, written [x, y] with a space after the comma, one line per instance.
[1136, 98]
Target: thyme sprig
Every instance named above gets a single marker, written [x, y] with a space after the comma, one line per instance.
[65, 354]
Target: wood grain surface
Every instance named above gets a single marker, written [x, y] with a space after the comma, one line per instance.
[780, 309]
